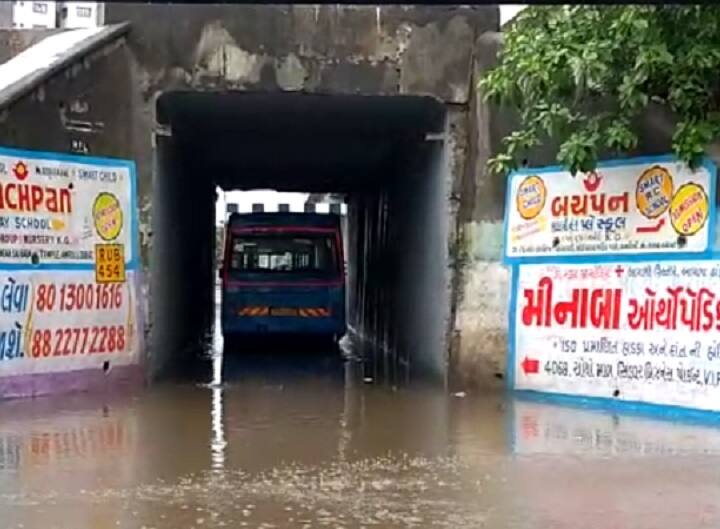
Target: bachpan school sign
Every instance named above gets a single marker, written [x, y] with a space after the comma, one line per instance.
[639, 207]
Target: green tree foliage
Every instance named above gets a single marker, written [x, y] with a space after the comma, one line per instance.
[581, 74]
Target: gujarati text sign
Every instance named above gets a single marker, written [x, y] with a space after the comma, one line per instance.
[646, 332]
[638, 207]
[54, 321]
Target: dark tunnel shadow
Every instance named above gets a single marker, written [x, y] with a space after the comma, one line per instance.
[280, 360]
[277, 361]
[381, 153]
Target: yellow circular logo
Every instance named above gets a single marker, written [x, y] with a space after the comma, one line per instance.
[689, 209]
[530, 198]
[108, 216]
[654, 191]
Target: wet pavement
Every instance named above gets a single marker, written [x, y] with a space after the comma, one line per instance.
[302, 440]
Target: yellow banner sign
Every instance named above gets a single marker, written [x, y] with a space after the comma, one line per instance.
[109, 263]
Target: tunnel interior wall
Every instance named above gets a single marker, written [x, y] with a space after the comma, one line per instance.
[400, 267]
[182, 256]
[422, 218]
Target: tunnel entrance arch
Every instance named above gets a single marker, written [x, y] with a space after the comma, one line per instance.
[385, 154]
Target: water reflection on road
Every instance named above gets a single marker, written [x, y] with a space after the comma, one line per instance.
[301, 441]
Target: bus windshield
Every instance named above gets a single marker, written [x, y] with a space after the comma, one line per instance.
[284, 253]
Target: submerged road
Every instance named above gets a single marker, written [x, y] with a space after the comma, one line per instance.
[305, 440]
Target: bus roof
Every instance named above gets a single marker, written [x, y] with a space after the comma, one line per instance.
[330, 220]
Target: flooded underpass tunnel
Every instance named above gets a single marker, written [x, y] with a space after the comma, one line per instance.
[296, 439]
[387, 157]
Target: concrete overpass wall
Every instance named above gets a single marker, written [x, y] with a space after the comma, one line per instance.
[331, 50]
[482, 285]
[480, 344]
[109, 104]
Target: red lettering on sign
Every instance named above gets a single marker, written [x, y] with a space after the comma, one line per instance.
[33, 198]
[583, 205]
[598, 307]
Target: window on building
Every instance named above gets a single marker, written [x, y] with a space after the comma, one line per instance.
[40, 7]
[84, 12]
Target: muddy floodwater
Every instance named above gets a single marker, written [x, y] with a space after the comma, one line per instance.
[305, 441]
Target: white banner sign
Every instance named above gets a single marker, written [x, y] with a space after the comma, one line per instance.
[59, 321]
[639, 207]
[56, 209]
[646, 332]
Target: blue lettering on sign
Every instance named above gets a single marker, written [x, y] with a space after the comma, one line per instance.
[85, 174]
[11, 343]
[108, 176]
[14, 296]
[32, 223]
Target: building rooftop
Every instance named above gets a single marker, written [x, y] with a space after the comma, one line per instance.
[27, 70]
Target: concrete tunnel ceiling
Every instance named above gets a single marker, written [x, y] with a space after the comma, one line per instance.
[298, 142]
[372, 149]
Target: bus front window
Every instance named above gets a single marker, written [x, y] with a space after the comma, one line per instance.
[283, 253]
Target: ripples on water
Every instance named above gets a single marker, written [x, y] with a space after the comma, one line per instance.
[304, 441]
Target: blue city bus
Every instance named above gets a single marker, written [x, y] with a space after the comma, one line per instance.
[283, 275]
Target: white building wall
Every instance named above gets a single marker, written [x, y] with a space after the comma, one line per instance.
[51, 14]
[35, 14]
[81, 14]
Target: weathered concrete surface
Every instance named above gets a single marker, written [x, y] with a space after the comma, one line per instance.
[29, 69]
[75, 106]
[480, 342]
[332, 50]
[482, 313]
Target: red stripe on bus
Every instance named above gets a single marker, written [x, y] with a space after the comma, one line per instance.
[291, 229]
[306, 283]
